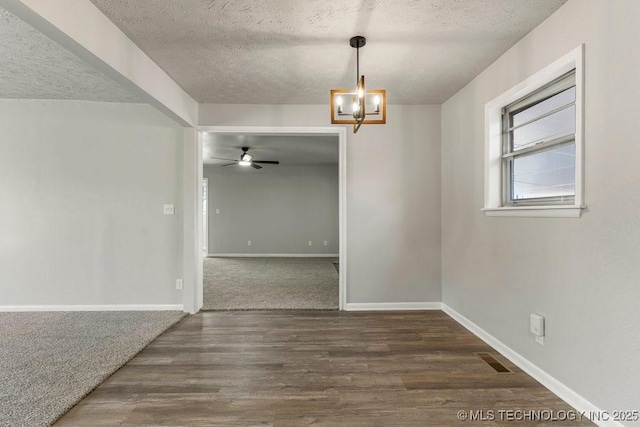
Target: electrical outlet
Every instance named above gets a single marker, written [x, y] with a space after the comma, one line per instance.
[249, 243]
[168, 209]
[179, 284]
[325, 243]
[536, 327]
[309, 242]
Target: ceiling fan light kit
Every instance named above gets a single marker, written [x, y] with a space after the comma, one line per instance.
[367, 107]
[247, 160]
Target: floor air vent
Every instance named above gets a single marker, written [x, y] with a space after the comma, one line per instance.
[493, 362]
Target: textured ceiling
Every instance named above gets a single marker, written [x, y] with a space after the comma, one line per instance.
[287, 149]
[294, 51]
[32, 66]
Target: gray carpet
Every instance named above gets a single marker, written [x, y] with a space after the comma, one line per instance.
[50, 360]
[270, 283]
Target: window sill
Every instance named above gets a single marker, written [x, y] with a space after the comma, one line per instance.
[536, 211]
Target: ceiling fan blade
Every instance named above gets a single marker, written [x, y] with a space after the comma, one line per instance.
[228, 164]
[220, 158]
[267, 162]
[253, 165]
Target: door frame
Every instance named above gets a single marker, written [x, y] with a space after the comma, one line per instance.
[205, 222]
[339, 131]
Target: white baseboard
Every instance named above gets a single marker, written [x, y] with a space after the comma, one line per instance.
[274, 255]
[393, 306]
[107, 307]
[575, 400]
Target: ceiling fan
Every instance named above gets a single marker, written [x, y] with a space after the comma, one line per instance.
[247, 160]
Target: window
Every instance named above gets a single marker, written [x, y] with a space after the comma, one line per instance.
[534, 144]
[539, 149]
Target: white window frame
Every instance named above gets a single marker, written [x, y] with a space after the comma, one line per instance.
[494, 203]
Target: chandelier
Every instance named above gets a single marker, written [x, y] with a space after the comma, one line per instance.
[367, 107]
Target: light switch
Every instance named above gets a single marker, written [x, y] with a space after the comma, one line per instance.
[169, 209]
[217, 211]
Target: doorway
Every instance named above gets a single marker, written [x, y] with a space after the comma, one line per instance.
[241, 271]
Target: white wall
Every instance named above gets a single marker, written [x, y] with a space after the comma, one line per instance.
[393, 195]
[278, 208]
[82, 186]
[582, 274]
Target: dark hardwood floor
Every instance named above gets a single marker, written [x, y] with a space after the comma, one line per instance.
[280, 368]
